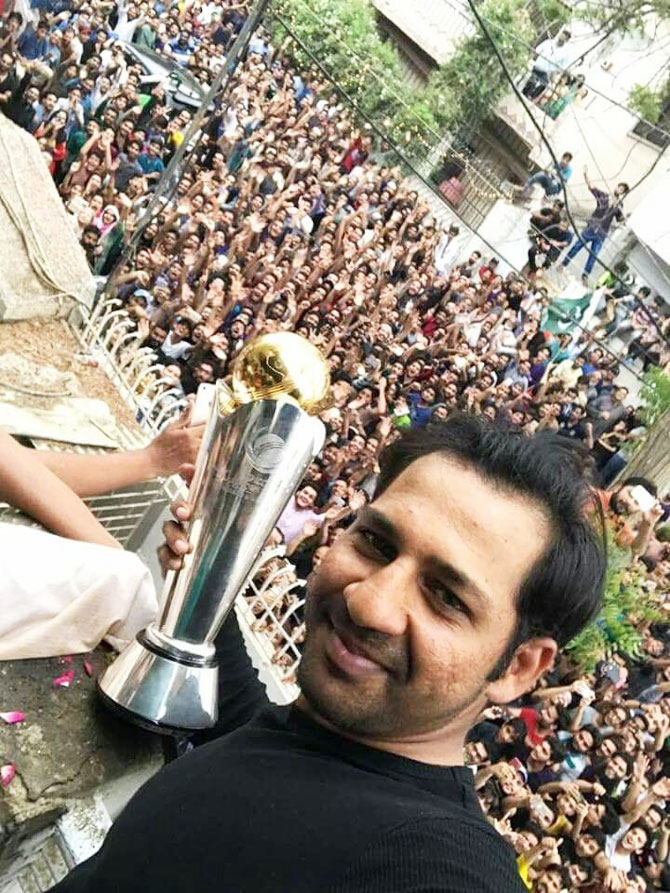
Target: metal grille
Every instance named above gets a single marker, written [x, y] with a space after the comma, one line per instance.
[110, 336]
[270, 611]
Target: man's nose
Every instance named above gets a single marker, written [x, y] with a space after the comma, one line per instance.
[381, 601]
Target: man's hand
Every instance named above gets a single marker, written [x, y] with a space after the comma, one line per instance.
[176, 546]
[640, 767]
[310, 529]
[614, 879]
[176, 447]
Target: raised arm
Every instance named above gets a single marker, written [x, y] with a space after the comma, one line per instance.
[28, 485]
[90, 475]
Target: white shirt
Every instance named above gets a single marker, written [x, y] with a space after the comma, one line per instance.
[551, 57]
[618, 861]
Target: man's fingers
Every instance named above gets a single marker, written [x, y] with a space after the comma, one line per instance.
[168, 561]
[181, 510]
[187, 470]
[175, 539]
[184, 418]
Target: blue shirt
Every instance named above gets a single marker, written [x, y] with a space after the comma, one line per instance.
[31, 46]
[564, 172]
[149, 164]
[418, 413]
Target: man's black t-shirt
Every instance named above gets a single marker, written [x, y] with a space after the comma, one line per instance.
[282, 804]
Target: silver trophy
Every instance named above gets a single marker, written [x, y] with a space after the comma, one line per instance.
[259, 440]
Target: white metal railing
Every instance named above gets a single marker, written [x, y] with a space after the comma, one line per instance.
[109, 336]
[270, 614]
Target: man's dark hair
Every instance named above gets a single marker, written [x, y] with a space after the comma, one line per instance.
[519, 727]
[584, 865]
[610, 822]
[557, 750]
[597, 834]
[563, 591]
[594, 733]
[625, 187]
[567, 155]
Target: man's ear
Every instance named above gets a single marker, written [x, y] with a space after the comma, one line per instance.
[531, 660]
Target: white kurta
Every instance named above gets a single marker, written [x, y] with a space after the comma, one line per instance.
[61, 596]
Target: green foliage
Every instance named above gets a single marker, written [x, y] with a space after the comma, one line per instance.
[646, 103]
[473, 75]
[549, 16]
[343, 36]
[655, 395]
[626, 603]
[622, 16]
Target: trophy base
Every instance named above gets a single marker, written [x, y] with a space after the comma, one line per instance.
[160, 693]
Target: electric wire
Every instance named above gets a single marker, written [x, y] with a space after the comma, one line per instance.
[547, 143]
[460, 11]
[409, 165]
[450, 149]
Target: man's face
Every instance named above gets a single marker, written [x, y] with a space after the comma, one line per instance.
[541, 752]
[204, 372]
[549, 882]
[181, 330]
[615, 768]
[606, 748]
[305, 498]
[652, 818]
[634, 840]
[475, 753]
[548, 716]
[586, 846]
[582, 741]
[507, 734]
[415, 604]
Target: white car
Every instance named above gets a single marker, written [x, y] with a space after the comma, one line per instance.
[182, 89]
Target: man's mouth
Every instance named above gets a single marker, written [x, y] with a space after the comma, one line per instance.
[349, 656]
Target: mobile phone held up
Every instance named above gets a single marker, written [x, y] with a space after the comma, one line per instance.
[202, 407]
[643, 498]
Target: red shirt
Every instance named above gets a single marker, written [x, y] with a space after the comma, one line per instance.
[531, 717]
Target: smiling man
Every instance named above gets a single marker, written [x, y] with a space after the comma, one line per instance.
[453, 589]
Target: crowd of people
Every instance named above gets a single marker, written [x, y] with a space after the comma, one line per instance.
[576, 777]
[286, 219]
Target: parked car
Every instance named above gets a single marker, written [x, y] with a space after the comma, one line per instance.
[182, 89]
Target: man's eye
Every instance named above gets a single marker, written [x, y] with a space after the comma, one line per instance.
[371, 542]
[446, 596]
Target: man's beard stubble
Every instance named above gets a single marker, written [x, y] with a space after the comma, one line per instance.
[384, 712]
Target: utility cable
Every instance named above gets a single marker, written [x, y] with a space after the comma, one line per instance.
[481, 19]
[547, 143]
[409, 165]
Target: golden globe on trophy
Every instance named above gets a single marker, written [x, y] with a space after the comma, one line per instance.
[260, 438]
